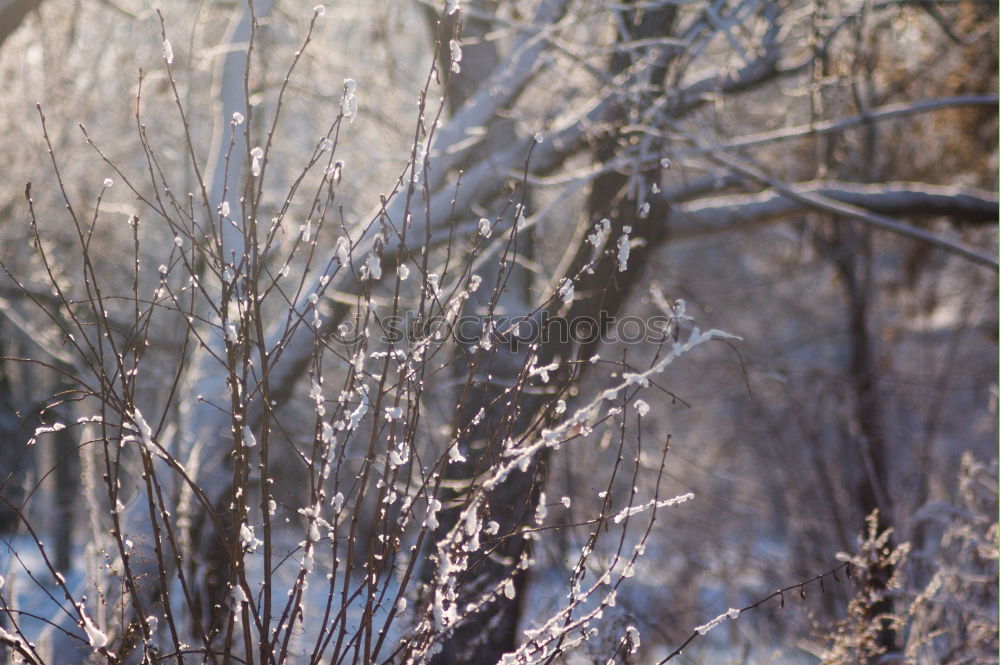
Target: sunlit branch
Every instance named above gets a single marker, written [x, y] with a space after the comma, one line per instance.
[869, 203]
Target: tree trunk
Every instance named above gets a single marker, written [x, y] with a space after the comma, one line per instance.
[496, 379]
[12, 14]
[853, 264]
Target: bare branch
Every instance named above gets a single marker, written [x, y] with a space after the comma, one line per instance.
[865, 202]
[833, 126]
[497, 92]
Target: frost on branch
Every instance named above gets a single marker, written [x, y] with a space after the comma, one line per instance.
[600, 233]
[257, 153]
[635, 510]
[456, 55]
[54, 427]
[98, 639]
[520, 457]
[349, 103]
[238, 595]
[10, 639]
[144, 431]
[731, 613]
[372, 268]
[566, 290]
[632, 639]
[248, 539]
[623, 250]
[420, 156]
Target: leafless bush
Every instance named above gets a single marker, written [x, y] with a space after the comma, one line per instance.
[950, 619]
[181, 382]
